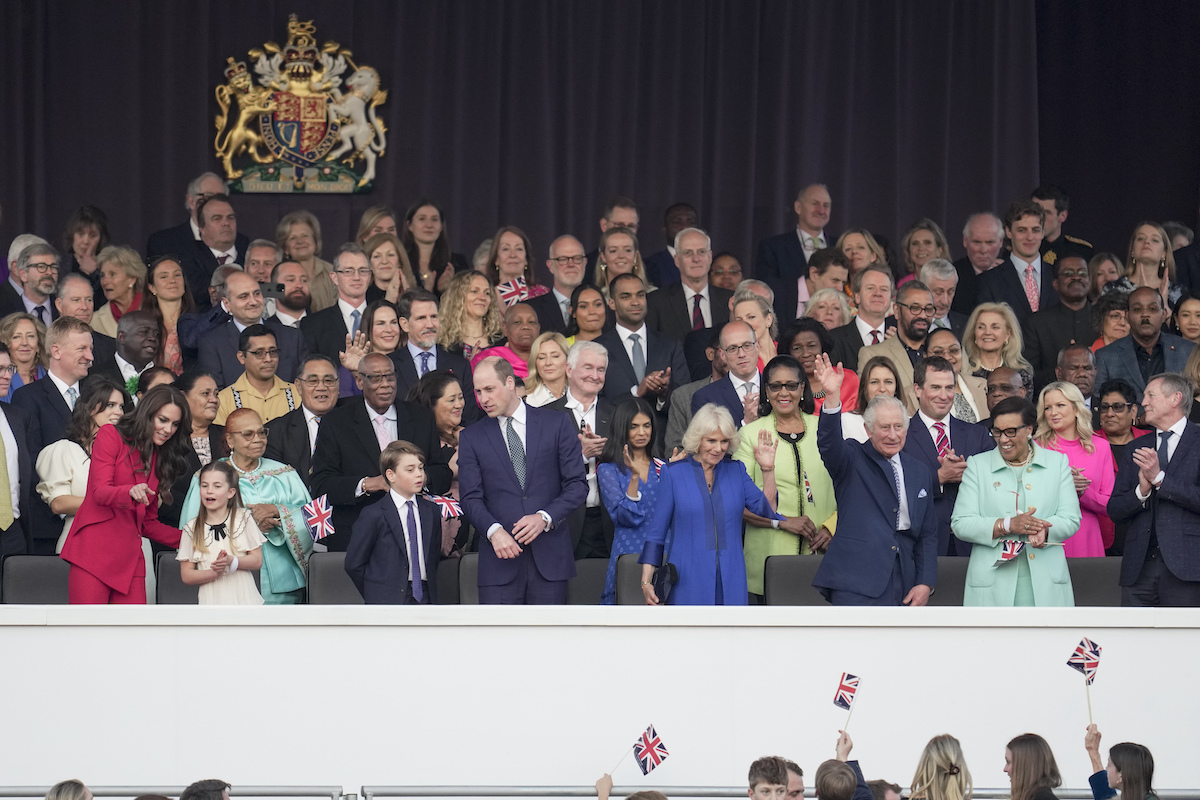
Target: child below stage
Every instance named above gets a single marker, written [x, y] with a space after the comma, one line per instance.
[397, 532]
[222, 544]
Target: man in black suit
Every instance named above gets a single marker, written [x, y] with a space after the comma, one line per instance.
[874, 293]
[1155, 493]
[218, 349]
[74, 298]
[1057, 245]
[1024, 275]
[566, 263]
[36, 271]
[943, 442]
[178, 238]
[12, 291]
[640, 361]
[619, 211]
[195, 325]
[351, 437]
[942, 279]
[692, 304]
[418, 312]
[219, 244]
[137, 344]
[983, 239]
[784, 258]
[292, 438]
[16, 474]
[326, 331]
[1067, 322]
[739, 390]
[827, 268]
[660, 267]
[591, 527]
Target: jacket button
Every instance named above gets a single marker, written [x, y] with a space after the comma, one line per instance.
[893, 548]
[895, 511]
[1027, 486]
[1032, 556]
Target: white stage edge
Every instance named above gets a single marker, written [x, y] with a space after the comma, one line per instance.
[477, 695]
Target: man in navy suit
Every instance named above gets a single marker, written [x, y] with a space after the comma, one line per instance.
[885, 550]
[784, 258]
[943, 443]
[1146, 351]
[521, 473]
[49, 401]
[1024, 274]
[566, 264]
[219, 244]
[983, 239]
[178, 238]
[36, 270]
[1155, 493]
[739, 390]
[218, 349]
[418, 312]
[660, 267]
[326, 330]
[694, 303]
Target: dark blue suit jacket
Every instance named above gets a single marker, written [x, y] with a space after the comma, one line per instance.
[866, 544]
[1001, 285]
[661, 269]
[966, 439]
[1176, 520]
[780, 263]
[723, 394]
[48, 412]
[219, 348]
[556, 483]
[377, 560]
[454, 363]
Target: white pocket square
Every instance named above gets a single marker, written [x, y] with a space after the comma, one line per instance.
[921, 494]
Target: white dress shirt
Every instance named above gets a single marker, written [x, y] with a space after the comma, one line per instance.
[10, 460]
[806, 243]
[231, 254]
[864, 330]
[314, 425]
[195, 229]
[63, 386]
[286, 318]
[740, 386]
[346, 308]
[587, 415]
[129, 370]
[705, 305]
[402, 507]
[1176, 432]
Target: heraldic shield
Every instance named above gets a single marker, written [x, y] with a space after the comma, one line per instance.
[304, 126]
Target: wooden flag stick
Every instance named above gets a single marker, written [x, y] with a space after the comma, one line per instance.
[846, 727]
[1088, 688]
[629, 750]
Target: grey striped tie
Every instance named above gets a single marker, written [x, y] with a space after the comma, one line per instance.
[517, 451]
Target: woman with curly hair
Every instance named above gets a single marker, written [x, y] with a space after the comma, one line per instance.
[470, 314]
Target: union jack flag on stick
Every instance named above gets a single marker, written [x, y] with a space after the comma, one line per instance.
[319, 518]
[449, 506]
[1086, 659]
[844, 696]
[649, 750]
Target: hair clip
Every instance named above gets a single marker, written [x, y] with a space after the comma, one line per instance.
[953, 769]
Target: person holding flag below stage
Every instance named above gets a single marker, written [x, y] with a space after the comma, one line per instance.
[1017, 505]
[1130, 769]
[275, 496]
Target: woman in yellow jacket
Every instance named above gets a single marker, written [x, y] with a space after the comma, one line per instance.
[805, 489]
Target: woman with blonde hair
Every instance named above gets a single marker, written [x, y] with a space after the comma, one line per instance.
[617, 254]
[122, 279]
[376, 219]
[547, 379]
[69, 790]
[298, 235]
[25, 337]
[1150, 262]
[993, 340]
[862, 249]
[924, 241]
[470, 314]
[829, 307]
[391, 272]
[1064, 423]
[942, 772]
[756, 312]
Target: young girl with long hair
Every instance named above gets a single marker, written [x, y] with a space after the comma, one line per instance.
[222, 543]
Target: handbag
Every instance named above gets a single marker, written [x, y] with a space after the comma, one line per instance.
[664, 580]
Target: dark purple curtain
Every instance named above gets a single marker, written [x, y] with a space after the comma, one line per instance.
[534, 112]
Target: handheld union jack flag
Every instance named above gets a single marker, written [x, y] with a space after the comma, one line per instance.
[649, 750]
[1086, 659]
[319, 518]
[511, 291]
[844, 696]
[450, 507]
[1010, 549]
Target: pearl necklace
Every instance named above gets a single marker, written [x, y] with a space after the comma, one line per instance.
[241, 471]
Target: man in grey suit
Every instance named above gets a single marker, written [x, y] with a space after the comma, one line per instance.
[1146, 351]
[680, 413]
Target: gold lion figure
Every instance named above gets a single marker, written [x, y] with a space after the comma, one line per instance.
[242, 136]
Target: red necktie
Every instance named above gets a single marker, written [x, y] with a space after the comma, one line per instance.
[697, 315]
[1031, 288]
[223, 259]
[874, 337]
[943, 442]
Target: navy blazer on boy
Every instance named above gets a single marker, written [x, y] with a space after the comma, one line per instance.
[377, 558]
[491, 494]
[966, 439]
[863, 553]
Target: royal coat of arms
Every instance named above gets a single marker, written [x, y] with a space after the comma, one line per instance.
[306, 125]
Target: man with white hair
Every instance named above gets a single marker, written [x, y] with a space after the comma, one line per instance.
[885, 552]
[178, 238]
[591, 527]
[37, 272]
[942, 279]
[12, 292]
[693, 304]
[983, 238]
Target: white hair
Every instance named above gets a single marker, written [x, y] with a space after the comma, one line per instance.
[999, 223]
[193, 188]
[821, 295]
[257, 243]
[938, 269]
[20, 243]
[749, 285]
[878, 402]
[581, 347]
[711, 417]
[679, 237]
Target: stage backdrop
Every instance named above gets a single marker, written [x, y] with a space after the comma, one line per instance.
[534, 112]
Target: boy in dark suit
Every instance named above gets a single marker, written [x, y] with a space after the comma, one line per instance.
[397, 543]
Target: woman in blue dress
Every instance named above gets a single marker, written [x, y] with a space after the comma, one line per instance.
[699, 508]
[628, 477]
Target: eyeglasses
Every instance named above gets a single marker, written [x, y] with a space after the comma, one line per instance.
[376, 379]
[1118, 408]
[776, 386]
[270, 352]
[734, 349]
[261, 433]
[948, 351]
[364, 272]
[8, 371]
[1010, 433]
[701, 252]
[312, 380]
[43, 268]
[918, 311]
[577, 261]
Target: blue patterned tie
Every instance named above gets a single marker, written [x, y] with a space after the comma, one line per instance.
[414, 552]
[72, 396]
[899, 490]
[425, 364]
[517, 451]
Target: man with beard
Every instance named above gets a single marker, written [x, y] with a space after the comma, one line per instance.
[293, 305]
[1048, 331]
[914, 309]
[1147, 351]
[418, 313]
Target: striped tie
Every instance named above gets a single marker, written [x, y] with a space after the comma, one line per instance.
[943, 441]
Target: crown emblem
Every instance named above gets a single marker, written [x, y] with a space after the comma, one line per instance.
[235, 68]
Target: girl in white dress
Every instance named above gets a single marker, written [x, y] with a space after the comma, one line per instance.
[222, 543]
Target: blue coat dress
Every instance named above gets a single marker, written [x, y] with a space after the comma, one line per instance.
[629, 516]
[706, 530]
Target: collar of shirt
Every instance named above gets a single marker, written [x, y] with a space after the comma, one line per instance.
[243, 385]
[288, 319]
[929, 422]
[400, 500]
[1177, 430]
[625, 333]
[346, 308]
[129, 370]
[195, 229]
[689, 293]
[564, 301]
[416, 354]
[576, 405]
[864, 330]
[62, 385]
[389, 415]
[806, 244]
[518, 416]
[30, 306]
[240, 327]
[231, 252]
[738, 383]
[1021, 264]
[309, 416]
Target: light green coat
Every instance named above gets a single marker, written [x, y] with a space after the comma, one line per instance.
[821, 508]
[990, 490]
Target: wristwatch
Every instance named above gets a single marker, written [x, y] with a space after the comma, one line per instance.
[775, 524]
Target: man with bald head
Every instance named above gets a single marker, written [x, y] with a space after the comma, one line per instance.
[243, 300]
[783, 259]
[1005, 382]
[566, 263]
[739, 390]
[138, 338]
[352, 436]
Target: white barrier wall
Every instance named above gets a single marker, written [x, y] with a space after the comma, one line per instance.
[555, 696]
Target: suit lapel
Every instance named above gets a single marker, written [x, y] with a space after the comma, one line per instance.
[431, 524]
[495, 433]
[924, 441]
[619, 356]
[406, 366]
[393, 522]
[56, 400]
[679, 307]
[533, 438]
[365, 428]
